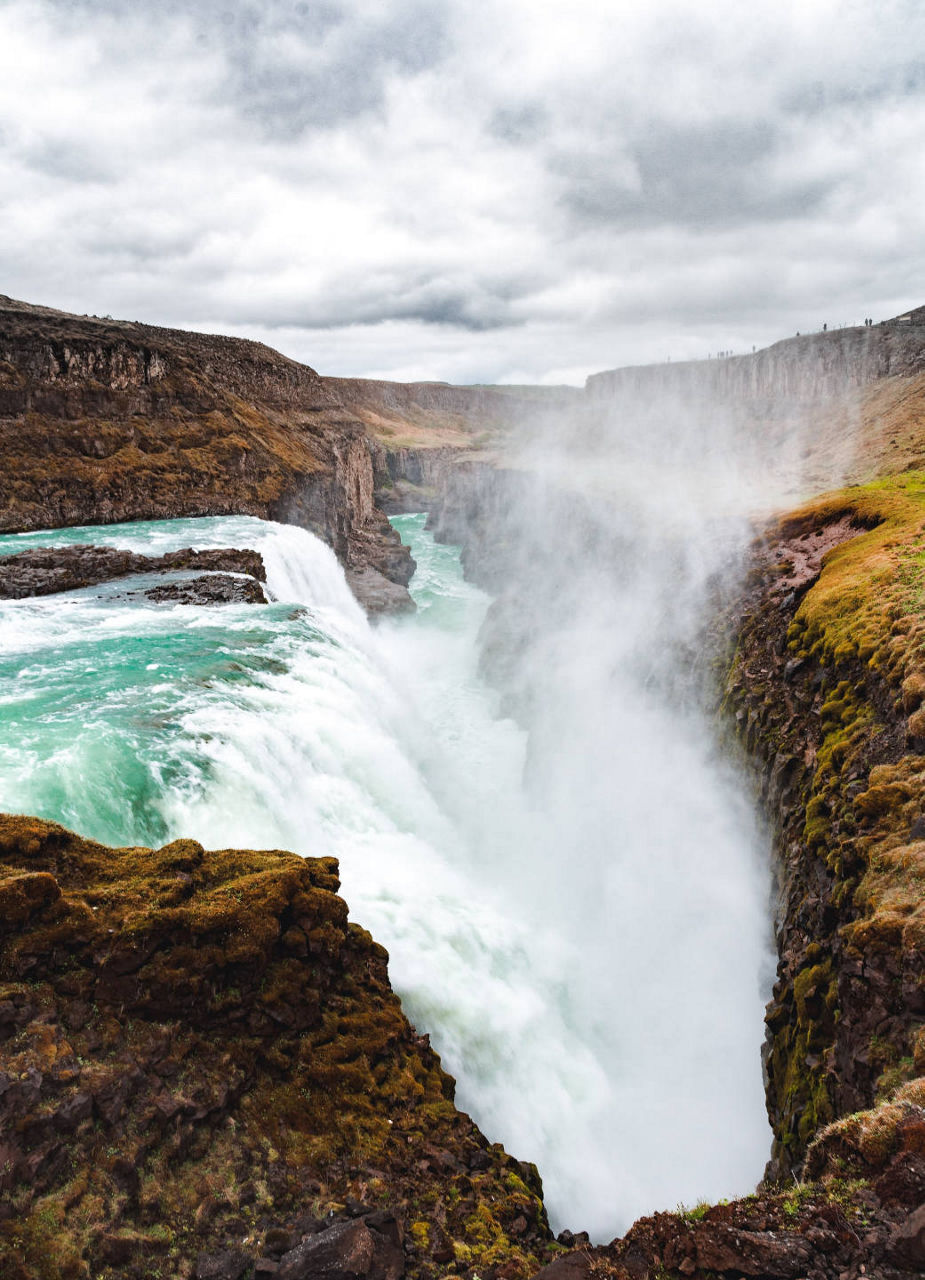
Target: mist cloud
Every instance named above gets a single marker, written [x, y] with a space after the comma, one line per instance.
[489, 191]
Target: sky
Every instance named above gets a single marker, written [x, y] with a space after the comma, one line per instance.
[467, 190]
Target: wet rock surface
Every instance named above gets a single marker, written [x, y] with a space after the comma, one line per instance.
[823, 718]
[214, 588]
[46, 571]
[378, 594]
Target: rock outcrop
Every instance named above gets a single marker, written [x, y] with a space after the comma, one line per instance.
[210, 589]
[204, 1072]
[104, 421]
[45, 571]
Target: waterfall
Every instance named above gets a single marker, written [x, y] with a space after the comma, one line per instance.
[597, 997]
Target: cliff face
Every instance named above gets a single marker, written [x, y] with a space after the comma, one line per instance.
[104, 421]
[418, 479]
[811, 367]
[421, 433]
[204, 1071]
[826, 689]
[853, 398]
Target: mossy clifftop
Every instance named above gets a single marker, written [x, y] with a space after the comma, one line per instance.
[826, 688]
[201, 1054]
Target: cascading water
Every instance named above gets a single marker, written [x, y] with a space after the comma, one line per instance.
[523, 928]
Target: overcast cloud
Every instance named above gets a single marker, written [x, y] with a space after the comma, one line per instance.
[475, 190]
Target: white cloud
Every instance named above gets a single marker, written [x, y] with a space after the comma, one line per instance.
[517, 189]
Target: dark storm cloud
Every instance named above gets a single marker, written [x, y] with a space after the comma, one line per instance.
[496, 188]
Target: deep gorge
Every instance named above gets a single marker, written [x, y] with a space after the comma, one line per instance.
[296, 725]
[628, 600]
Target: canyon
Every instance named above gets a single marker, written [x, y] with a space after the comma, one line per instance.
[178, 1021]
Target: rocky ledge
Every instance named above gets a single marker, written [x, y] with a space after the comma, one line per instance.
[204, 1073]
[45, 571]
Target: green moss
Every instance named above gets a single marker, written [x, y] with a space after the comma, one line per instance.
[869, 581]
[420, 1234]
[697, 1213]
[796, 1199]
[278, 1074]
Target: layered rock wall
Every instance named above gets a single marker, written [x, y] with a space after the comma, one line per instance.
[824, 679]
[422, 433]
[812, 367]
[102, 422]
[435, 404]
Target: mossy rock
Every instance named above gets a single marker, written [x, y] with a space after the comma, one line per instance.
[203, 1047]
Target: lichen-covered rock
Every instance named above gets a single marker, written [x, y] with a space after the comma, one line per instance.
[199, 1054]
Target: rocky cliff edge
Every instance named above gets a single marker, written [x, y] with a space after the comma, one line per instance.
[204, 1072]
[104, 421]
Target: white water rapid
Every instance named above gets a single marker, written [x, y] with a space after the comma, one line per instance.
[592, 972]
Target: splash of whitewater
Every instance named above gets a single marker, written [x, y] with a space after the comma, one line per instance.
[599, 1000]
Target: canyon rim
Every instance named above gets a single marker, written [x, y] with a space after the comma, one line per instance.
[205, 1069]
[462, 640]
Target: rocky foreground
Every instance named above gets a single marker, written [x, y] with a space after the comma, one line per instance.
[204, 1071]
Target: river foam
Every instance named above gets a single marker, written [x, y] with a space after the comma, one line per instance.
[565, 976]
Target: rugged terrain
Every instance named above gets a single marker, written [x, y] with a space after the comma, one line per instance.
[204, 1070]
[104, 421]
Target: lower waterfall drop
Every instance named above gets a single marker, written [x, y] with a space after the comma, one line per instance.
[579, 1008]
